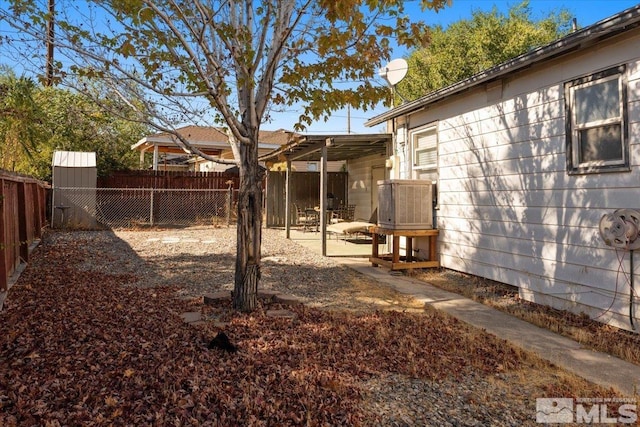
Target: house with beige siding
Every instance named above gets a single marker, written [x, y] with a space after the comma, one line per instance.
[527, 157]
[168, 154]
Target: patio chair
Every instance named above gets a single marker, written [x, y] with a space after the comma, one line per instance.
[347, 229]
[343, 214]
[308, 218]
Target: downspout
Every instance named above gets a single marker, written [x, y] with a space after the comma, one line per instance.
[406, 151]
[631, 292]
[392, 152]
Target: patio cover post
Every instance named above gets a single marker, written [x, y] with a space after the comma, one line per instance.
[155, 157]
[142, 152]
[287, 200]
[323, 195]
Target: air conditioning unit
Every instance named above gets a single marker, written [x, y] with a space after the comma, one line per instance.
[405, 204]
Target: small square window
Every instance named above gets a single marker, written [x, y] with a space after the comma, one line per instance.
[425, 149]
[596, 116]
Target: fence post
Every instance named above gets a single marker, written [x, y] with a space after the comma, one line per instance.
[151, 209]
[37, 210]
[4, 267]
[229, 201]
[23, 217]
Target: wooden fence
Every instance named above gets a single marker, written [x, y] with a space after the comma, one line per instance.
[305, 192]
[23, 214]
[167, 180]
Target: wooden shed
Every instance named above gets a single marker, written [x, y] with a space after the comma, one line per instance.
[74, 189]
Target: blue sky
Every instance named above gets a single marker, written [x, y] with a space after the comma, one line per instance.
[587, 12]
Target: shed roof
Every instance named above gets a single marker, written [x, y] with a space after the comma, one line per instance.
[74, 159]
[578, 40]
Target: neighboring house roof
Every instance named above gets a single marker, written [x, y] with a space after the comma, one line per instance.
[578, 40]
[74, 159]
[277, 137]
[208, 139]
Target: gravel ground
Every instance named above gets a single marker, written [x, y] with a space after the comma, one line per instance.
[201, 260]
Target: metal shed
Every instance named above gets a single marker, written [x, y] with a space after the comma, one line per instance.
[74, 189]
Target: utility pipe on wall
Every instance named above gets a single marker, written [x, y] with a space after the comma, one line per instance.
[631, 291]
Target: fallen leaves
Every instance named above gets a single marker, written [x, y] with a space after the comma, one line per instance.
[82, 346]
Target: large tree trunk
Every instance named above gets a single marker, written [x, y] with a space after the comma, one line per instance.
[247, 276]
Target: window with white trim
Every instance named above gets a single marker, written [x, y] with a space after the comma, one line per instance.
[425, 149]
[597, 137]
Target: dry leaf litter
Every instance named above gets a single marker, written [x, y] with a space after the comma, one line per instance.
[92, 334]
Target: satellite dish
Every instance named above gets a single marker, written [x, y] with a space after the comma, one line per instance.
[395, 71]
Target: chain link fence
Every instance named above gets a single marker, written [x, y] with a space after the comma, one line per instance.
[134, 207]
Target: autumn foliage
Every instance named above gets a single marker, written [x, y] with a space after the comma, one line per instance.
[80, 345]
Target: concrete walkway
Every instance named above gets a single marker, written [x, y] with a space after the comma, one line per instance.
[599, 368]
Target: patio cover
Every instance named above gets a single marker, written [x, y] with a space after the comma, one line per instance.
[326, 148]
[339, 147]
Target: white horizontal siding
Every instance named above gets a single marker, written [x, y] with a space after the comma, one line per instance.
[586, 198]
[609, 307]
[550, 166]
[508, 209]
[539, 123]
[361, 187]
[523, 214]
[536, 254]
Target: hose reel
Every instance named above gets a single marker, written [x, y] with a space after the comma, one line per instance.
[621, 229]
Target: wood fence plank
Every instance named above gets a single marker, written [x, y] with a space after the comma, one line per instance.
[21, 217]
[23, 220]
[4, 268]
[168, 180]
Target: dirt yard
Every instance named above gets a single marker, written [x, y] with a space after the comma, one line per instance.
[93, 333]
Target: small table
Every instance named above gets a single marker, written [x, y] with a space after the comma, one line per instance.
[312, 219]
[393, 260]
